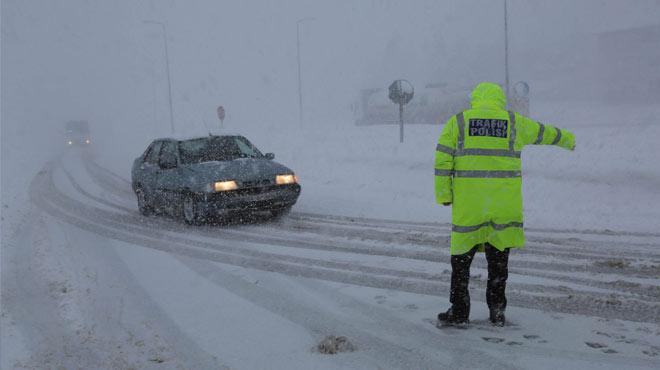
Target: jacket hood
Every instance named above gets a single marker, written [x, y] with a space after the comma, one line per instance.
[488, 95]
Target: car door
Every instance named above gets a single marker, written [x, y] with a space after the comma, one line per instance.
[148, 170]
[167, 180]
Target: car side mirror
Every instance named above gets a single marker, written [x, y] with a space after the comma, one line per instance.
[270, 156]
[167, 161]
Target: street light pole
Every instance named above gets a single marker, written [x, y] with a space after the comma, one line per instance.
[300, 101]
[506, 49]
[167, 66]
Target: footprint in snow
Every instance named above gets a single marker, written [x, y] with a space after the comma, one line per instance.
[535, 337]
[595, 345]
[627, 341]
[493, 339]
[650, 353]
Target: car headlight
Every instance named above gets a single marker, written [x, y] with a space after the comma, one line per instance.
[225, 185]
[286, 179]
[70, 142]
[87, 141]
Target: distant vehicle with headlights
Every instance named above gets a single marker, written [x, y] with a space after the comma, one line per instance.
[211, 176]
[77, 133]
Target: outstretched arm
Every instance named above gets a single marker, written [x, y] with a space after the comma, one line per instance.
[444, 162]
[537, 133]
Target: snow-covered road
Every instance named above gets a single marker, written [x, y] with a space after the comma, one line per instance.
[91, 283]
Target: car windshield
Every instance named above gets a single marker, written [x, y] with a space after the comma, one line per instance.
[217, 148]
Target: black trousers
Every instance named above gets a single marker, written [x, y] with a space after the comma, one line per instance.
[498, 272]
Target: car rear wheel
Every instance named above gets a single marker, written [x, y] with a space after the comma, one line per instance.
[146, 208]
[190, 210]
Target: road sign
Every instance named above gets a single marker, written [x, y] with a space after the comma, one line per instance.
[221, 113]
[521, 88]
[401, 93]
[519, 102]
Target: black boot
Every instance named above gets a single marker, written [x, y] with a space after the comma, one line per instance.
[459, 296]
[497, 317]
[452, 318]
[498, 272]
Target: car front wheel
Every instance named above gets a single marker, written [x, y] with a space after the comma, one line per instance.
[190, 208]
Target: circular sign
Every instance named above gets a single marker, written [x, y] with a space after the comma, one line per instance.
[521, 88]
[401, 92]
[221, 113]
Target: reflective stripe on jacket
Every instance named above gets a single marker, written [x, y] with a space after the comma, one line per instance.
[478, 169]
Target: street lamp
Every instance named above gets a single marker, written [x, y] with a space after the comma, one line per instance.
[506, 49]
[300, 106]
[167, 64]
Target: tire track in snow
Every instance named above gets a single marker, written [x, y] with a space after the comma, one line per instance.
[121, 222]
[437, 238]
[430, 234]
[256, 235]
[122, 185]
[185, 351]
[594, 306]
[565, 247]
[630, 290]
[434, 226]
[622, 287]
[37, 308]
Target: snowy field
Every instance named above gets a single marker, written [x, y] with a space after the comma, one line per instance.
[88, 283]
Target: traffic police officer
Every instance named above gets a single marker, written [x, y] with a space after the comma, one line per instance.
[478, 172]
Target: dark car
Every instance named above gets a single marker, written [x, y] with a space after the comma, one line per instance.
[211, 176]
[77, 133]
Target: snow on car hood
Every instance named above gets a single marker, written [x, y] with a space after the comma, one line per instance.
[241, 169]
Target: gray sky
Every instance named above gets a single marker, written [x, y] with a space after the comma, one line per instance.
[76, 58]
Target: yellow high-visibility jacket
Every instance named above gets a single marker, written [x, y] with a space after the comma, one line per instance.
[478, 169]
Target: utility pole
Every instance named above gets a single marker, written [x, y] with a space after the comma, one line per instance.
[300, 100]
[401, 122]
[506, 49]
[167, 66]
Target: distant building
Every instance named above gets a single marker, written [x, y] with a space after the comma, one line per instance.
[433, 103]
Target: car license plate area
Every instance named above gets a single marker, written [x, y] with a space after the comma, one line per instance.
[256, 190]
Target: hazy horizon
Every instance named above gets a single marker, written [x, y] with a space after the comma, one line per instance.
[99, 61]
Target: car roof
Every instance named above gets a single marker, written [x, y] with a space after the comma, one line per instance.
[193, 137]
[77, 124]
